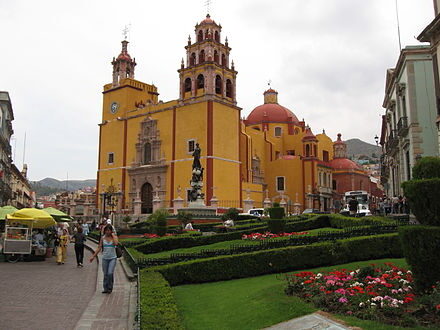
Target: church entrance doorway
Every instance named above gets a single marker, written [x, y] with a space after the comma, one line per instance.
[147, 198]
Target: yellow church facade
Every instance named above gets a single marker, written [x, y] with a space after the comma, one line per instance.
[146, 145]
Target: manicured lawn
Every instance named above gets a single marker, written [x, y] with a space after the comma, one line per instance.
[226, 244]
[253, 303]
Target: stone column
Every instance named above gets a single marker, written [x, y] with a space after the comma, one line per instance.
[156, 202]
[297, 208]
[177, 204]
[214, 202]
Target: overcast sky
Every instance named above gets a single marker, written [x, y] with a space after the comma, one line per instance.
[326, 58]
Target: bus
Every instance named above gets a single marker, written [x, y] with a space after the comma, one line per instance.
[363, 198]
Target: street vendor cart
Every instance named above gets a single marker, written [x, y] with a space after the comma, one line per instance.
[17, 241]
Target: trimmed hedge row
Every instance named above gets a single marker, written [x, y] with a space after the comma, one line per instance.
[341, 221]
[281, 260]
[421, 245]
[158, 307]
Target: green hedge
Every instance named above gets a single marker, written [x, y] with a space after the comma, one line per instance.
[158, 307]
[341, 221]
[281, 260]
[424, 196]
[276, 226]
[427, 168]
[312, 223]
[421, 246]
[276, 212]
[179, 242]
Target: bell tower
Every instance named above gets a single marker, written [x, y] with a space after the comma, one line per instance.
[208, 72]
[123, 65]
[339, 148]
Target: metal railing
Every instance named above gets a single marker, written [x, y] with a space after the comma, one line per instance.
[402, 126]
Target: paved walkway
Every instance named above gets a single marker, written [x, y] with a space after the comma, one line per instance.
[43, 295]
[315, 321]
[111, 311]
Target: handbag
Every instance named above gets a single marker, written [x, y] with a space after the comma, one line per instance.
[118, 251]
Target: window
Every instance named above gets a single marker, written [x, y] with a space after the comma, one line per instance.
[325, 156]
[200, 36]
[280, 183]
[277, 154]
[228, 88]
[192, 59]
[191, 146]
[291, 152]
[147, 153]
[216, 36]
[187, 85]
[278, 131]
[307, 150]
[324, 176]
[111, 157]
[216, 57]
[200, 81]
[218, 85]
[223, 60]
[202, 56]
[334, 184]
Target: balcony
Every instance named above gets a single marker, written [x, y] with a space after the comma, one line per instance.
[402, 126]
[392, 142]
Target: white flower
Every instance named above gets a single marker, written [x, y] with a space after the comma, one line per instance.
[361, 304]
[409, 272]
[373, 304]
[352, 273]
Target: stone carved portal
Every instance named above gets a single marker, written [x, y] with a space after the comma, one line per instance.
[148, 171]
[147, 198]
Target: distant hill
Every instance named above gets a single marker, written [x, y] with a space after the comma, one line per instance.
[356, 148]
[50, 186]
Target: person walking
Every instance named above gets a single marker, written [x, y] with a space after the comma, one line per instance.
[107, 245]
[79, 238]
[353, 206]
[62, 247]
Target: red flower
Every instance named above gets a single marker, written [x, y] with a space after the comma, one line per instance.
[308, 282]
[408, 300]
[437, 307]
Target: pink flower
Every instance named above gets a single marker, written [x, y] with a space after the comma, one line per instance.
[343, 300]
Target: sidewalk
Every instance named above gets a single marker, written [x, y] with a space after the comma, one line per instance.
[43, 295]
[110, 311]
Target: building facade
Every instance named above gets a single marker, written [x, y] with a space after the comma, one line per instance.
[80, 204]
[431, 34]
[408, 126]
[6, 118]
[146, 145]
[22, 194]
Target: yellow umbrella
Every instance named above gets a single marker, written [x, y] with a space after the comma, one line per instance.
[30, 216]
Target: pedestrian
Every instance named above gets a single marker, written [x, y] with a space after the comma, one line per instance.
[79, 238]
[62, 247]
[107, 245]
[353, 206]
[395, 204]
[85, 228]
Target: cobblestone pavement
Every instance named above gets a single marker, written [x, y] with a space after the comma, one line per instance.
[43, 295]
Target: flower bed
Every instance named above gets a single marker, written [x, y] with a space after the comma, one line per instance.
[381, 294]
[266, 235]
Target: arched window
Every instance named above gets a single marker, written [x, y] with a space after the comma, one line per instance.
[216, 36]
[307, 150]
[216, 56]
[325, 179]
[218, 85]
[228, 88]
[192, 59]
[314, 150]
[147, 153]
[223, 60]
[200, 81]
[202, 56]
[200, 36]
[187, 85]
[206, 34]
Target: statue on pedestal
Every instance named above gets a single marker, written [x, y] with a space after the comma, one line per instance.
[197, 177]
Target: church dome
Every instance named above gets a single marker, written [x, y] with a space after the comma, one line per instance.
[344, 164]
[208, 20]
[271, 111]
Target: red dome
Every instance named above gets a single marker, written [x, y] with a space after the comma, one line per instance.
[271, 113]
[125, 57]
[207, 20]
[344, 164]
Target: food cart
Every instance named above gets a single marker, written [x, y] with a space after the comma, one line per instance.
[17, 241]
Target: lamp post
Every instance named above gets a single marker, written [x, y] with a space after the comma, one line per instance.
[376, 138]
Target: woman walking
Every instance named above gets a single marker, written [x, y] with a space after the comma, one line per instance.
[107, 245]
[79, 238]
[62, 247]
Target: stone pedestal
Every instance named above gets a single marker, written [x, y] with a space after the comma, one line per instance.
[283, 204]
[214, 202]
[297, 208]
[247, 205]
[156, 203]
[267, 203]
[137, 204]
[177, 204]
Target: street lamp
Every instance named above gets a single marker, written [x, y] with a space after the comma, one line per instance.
[376, 138]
